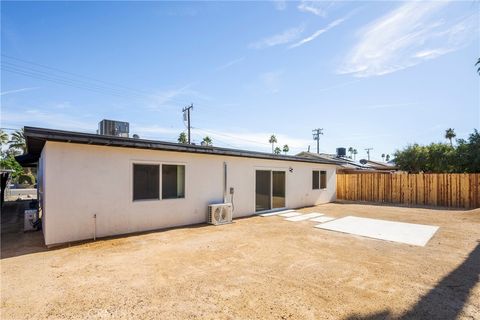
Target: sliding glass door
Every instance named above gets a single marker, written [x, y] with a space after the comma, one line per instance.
[278, 189]
[263, 187]
[269, 190]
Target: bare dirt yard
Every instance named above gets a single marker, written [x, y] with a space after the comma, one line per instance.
[255, 268]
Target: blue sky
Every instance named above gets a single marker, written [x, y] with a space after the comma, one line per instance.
[371, 74]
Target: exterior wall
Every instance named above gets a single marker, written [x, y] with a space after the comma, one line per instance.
[83, 180]
[41, 188]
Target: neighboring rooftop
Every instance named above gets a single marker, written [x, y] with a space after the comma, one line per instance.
[348, 164]
[36, 138]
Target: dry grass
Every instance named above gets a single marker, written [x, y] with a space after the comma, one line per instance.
[256, 268]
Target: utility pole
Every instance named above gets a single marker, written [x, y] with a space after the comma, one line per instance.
[368, 152]
[186, 117]
[316, 136]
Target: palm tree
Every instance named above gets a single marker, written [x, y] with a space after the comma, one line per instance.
[450, 134]
[182, 138]
[277, 150]
[3, 137]
[272, 140]
[17, 141]
[354, 154]
[350, 150]
[383, 156]
[286, 148]
[387, 157]
[207, 141]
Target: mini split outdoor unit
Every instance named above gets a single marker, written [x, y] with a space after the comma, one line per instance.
[219, 213]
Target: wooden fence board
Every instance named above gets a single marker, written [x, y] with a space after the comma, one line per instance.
[456, 190]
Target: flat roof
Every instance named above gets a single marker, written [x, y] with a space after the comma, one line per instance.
[36, 138]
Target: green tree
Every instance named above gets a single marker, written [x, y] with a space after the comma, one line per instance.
[387, 157]
[355, 152]
[277, 150]
[413, 158]
[273, 140]
[286, 149]
[383, 156]
[450, 134]
[182, 138]
[467, 155]
[17, 141]
[10, 163]
[350, 150]
[3, 137]
[207, 141]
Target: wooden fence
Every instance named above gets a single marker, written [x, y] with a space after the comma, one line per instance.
[445, 190]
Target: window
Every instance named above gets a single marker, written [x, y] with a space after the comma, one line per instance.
[323, 179]
[319, 180]
[315, 180]
[173, 181]
[145, 182]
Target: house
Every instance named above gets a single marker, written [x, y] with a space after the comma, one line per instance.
[347, 165]
[98, 185]
[344, 163]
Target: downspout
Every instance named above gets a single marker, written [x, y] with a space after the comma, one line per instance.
[95, 227]
[224, 182]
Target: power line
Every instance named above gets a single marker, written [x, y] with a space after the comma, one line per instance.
[233, 137]
[73, 74]
[92, 85]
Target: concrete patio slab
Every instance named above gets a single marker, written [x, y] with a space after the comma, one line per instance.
[409, 233]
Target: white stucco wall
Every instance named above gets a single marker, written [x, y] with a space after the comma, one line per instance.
[83, 180]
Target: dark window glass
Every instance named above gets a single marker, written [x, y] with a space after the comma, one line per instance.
[145, 181]
[278, 189]
[173, 181]
[263, 185]
[323, 179]
[315, 180]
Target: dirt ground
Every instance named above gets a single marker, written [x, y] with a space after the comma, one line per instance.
[255, 268]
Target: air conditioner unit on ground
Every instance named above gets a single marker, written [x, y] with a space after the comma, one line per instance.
[30, 217]
[219, 213]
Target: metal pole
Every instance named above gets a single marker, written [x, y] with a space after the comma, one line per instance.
[188, 119]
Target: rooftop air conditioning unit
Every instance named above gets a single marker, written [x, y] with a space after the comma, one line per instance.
[219, 213]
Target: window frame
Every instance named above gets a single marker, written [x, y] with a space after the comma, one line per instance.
[316, 180]
[132, 182]
[157, 163]
[184, 180]
[319, 181]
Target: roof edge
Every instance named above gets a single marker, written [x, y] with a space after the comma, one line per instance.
[41, 135]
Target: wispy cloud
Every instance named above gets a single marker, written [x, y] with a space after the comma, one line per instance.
[317, 33]
[170, 97]
[280, 4]
[17, 90]
[278, 39]
[229, 64]
[318, 8]
[410, 34]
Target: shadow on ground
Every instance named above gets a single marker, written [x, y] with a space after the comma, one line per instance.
[444, 301]
[15, 241]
